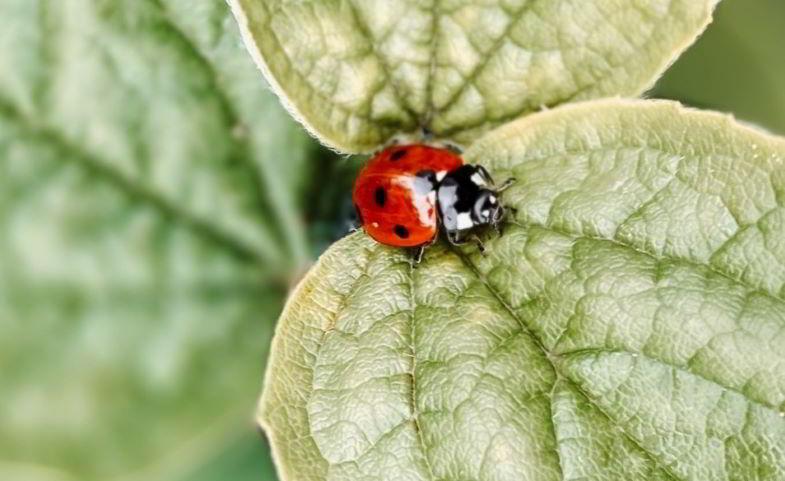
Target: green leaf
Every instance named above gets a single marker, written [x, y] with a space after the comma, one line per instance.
[150, 215]
[628, 324]
[357, 73]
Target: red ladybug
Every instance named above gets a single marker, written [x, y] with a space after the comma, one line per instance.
[405, 194]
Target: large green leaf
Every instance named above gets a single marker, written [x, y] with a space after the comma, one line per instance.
[149, 218]
[357, 72]
[628, 324]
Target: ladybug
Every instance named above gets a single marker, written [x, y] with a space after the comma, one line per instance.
[407, 194]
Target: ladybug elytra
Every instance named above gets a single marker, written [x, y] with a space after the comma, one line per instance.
[406, 194]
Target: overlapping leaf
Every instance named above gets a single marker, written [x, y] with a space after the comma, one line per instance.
[629, 324]
[357, 72]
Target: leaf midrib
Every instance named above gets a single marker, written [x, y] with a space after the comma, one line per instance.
[261, 177]
[559, 375]
[415, 413]
[385, 66]
[598, 350]
[487, 57]
[303, 78]
[553, 359]
[741, 226]
[693, 264]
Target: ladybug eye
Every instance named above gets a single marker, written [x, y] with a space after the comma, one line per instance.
[486, 208]
[380, 196]
[401, 231]
[398, 154]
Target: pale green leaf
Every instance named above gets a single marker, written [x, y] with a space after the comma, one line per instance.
[358, 72]
[143, 245]
[628, 325]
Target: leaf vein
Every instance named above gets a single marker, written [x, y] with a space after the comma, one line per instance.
[599, 350]
[102, 170]
[413, 339]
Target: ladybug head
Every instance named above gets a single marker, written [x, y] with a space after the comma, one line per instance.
[467, 200]
[486, 209]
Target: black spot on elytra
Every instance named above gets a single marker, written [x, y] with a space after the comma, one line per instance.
[380, 196]
[401, 231]
[398, 154]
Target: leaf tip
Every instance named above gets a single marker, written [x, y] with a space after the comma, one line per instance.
[249, 42]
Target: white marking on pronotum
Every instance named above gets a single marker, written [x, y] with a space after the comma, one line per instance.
[486, 213]
[464, 221]
[440, 175]
[477, 179]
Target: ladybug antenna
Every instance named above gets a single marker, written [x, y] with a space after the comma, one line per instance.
[506, 185]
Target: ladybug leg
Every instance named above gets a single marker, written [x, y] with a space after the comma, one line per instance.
[419, 251]
[485, 174]
[454, 238]
[417, 254]
[355, 221]
[505, 185]
[499, 224]
[480, 245]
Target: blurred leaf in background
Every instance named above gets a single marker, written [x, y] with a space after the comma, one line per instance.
[151, 216]
[737, 66]
[156, 201]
